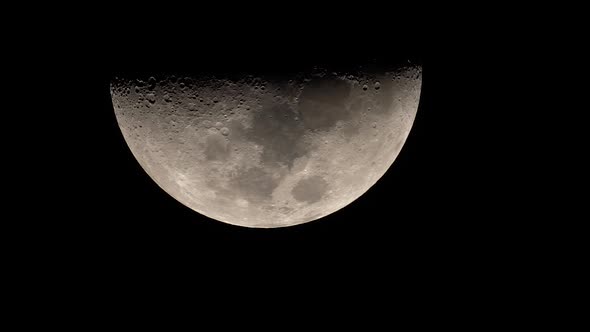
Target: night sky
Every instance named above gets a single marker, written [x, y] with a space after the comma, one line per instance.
[426, 213]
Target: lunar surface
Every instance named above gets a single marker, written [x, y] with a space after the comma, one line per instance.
[260, 151]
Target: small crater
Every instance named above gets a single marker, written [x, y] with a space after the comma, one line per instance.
[285, 210]
[151, 98]
[152, 83]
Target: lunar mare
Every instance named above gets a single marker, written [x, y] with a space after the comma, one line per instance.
[265, 152]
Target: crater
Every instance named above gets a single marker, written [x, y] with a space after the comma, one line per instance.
[310, 189]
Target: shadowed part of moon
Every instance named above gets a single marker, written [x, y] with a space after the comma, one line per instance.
[310, 190]
[321, 103]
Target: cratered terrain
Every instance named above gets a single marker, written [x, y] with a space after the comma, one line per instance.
[267, 151]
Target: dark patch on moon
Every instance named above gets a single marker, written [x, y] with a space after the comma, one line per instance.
[350, 129]
[321, 103]
[277, 130]
[236, 129]
[254, 183]
[216, 147]
[310, 189]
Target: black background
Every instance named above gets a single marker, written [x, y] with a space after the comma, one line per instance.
[410, 211]
[459, 217]
[430, 213]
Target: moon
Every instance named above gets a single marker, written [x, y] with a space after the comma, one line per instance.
[266, 151]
